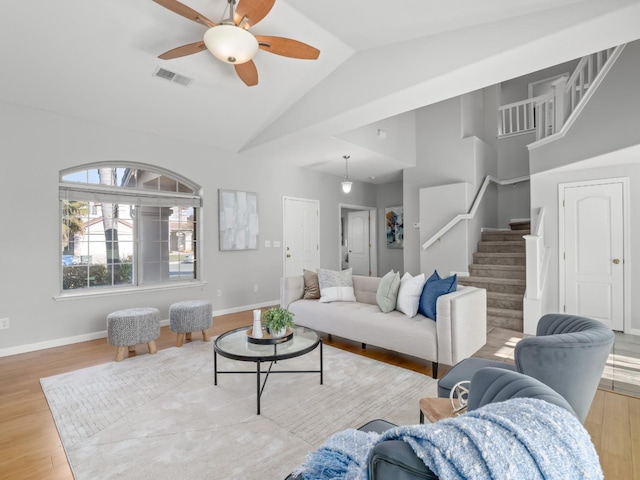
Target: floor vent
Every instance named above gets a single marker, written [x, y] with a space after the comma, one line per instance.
[172, 76]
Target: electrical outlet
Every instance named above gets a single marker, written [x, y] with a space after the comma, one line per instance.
[219, 293]
[267, 243]
[255, 288]
[4, 322]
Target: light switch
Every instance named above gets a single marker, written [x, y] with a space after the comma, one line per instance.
[267, 243]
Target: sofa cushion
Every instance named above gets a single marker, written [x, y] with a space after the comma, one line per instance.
[409, 294]
[311, 285]
[336, 286]
[387, 293]
[433, 288]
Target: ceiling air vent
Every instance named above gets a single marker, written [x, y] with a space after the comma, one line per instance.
[172, 76]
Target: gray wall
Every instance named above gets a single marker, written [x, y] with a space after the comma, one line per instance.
[388, 195]
[36, 145]
[445, 156]
[604, 142]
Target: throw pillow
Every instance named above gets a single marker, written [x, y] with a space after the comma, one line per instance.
[336, 286]
[433, 288]
[409, 294]
[387, 293]
[311, 285]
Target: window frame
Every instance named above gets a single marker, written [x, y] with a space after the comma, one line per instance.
[139, 197]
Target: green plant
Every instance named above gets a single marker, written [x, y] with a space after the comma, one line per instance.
[275, 319]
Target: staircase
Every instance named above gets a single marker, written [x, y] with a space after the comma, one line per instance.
[499, 267]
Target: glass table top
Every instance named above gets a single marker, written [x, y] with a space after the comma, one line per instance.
[234, 344]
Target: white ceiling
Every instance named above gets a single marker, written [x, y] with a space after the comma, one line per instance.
[379, 61]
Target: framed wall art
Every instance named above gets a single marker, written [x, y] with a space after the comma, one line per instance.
[394, 224]
[238, 220]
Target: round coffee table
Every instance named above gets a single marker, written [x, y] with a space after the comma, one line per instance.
[234, 345]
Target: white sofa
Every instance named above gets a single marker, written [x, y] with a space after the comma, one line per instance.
[461, 328]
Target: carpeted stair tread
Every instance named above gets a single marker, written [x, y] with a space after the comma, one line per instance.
[504, 235]
[501, 247]
[487, 258]
[502, 271]
[508, 301]
[496, 280]
[504, 312]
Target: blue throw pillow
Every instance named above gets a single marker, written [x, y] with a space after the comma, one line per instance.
[435, 287]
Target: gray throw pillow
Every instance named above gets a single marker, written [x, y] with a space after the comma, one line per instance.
[387, 293]
[336, 286]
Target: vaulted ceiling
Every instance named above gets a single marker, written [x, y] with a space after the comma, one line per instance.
[380, 60]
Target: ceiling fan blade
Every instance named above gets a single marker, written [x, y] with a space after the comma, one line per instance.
[187, 12]
[253, 10]
[184, 50]
[248, 73]
[287, 47]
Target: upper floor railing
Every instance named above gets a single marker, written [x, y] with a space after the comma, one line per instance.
[554, 112]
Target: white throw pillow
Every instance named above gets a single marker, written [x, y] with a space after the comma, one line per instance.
[336, 286]
[409, 294]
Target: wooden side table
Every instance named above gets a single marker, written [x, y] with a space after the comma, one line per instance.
[434, 409]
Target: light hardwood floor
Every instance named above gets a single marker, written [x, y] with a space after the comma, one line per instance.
[31, 449]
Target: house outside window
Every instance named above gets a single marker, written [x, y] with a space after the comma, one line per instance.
[127, 226]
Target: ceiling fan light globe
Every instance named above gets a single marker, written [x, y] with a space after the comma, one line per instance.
[346, 186]
[231, 44]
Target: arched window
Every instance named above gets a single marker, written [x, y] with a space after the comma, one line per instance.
[127, 225]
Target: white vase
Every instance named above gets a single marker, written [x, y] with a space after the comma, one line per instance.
[280, 333]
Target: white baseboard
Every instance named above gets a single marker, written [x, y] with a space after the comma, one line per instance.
[59, 342]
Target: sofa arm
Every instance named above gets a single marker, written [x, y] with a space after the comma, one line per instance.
[461, 324]
[291, 289]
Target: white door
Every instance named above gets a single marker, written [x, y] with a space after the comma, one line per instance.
[301, 235]
[593, 252]
[358, 243]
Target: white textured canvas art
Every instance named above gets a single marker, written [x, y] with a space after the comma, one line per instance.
[238, 220]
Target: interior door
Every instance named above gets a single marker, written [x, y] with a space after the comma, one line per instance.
[593, 252]
[301, 235]
[358, 242]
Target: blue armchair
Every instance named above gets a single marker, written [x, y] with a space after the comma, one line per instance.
[568, 354]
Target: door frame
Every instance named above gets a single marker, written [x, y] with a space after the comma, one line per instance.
[373, 234]
[626, 239]
[284, 227]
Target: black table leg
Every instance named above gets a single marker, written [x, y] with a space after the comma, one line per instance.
[321, 369]
[215, 367]
[258, 392]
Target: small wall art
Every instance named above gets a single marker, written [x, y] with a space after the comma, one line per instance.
[238, 220]
[394, 224]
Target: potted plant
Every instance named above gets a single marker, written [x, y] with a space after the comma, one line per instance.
[277, 320]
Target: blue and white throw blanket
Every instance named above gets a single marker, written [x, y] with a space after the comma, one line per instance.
[516, 439]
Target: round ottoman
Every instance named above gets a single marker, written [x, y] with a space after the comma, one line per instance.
[190, 316]
[127, 328]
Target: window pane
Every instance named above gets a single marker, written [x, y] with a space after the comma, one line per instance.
[111, 239]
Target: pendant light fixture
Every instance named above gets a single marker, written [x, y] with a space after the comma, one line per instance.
[346, 184]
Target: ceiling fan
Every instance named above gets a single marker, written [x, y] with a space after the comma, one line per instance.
[231, 42]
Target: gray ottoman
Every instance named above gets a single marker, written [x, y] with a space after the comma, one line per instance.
[127, 328]
[190, 316]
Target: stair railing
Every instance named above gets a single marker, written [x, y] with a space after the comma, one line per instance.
[474, 207]
[555, 112]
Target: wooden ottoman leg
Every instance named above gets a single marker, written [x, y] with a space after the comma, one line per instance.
[205, 336]
[188, 335]
[132, 348]
[120, 354]
[180, 340]
[152, 346]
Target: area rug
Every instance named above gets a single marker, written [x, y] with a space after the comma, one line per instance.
[161, 417]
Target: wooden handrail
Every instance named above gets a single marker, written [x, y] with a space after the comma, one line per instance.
[472, 211]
